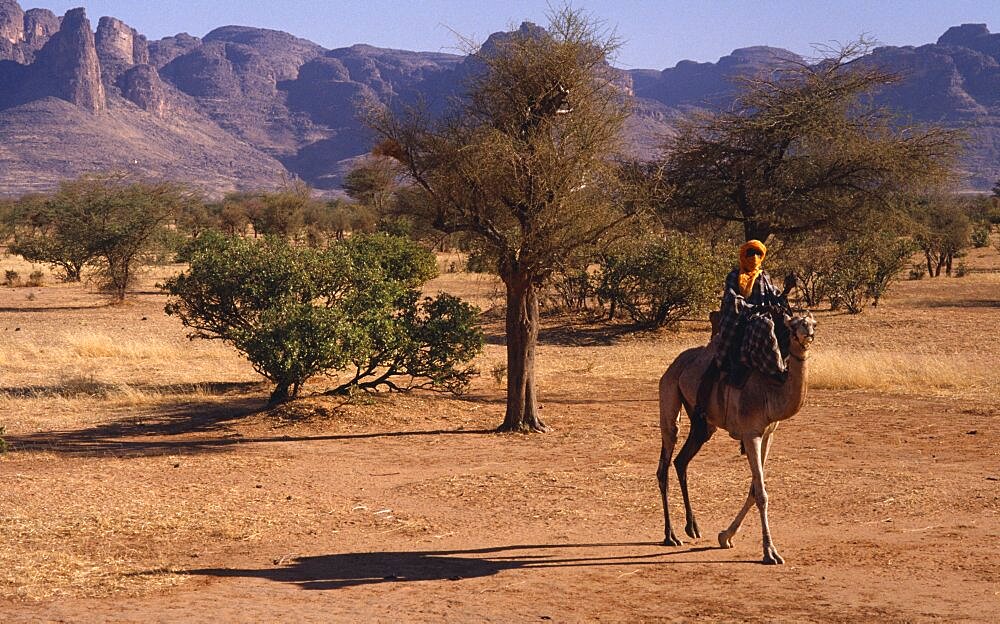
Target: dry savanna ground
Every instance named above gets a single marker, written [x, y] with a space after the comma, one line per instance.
[147, 482]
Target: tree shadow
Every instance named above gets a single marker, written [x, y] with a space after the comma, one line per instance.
[552, 398]
[148, 434]
[188, 427]
[86, 386]
[339, 571]
[577, 334]
[962, 303]
[66, 308]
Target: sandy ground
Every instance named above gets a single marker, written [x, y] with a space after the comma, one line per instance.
[149, 485]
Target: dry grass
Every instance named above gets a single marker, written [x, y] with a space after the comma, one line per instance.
[911, 373]
[102, 345]
[17, 263]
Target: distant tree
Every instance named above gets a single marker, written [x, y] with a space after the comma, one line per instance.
[374, 182]
[197, 216]
[658, 281]
[106, 220]
[996, 189]
[524, 163]
[281, 213]
[943, 231]
[233, 217]
[800, 149]
[41, 233]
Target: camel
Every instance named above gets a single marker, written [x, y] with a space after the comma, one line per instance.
[750, 415]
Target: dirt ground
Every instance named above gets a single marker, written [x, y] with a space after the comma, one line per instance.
[147, 483]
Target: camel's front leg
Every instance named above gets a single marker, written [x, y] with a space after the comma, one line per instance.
[755, 457]
[726, 537]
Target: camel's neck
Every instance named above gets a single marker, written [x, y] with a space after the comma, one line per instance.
[796, 387]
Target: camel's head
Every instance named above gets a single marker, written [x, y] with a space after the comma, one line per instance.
[802, 325]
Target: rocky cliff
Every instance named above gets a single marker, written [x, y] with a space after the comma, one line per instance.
[253, 107]
[72, 101]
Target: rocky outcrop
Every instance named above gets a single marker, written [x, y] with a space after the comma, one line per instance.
[39, 26]
[68, 67]
[22, 34]
[167, 49]
[264, 95]
[119, 47]
[707, 84]
[142, 86]
[11, 22]
[281, 53]
[11, 31]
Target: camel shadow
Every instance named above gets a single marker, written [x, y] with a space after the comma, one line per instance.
[339, 571]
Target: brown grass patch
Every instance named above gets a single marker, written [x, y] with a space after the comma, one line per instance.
[910, 373]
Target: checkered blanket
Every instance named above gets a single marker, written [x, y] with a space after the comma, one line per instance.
[760, 347]
[747, 337]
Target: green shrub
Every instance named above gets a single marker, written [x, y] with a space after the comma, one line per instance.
[35, 278]
[849, 284]
[811, 259]
[3, 443]
[572, 289]
[657, 282]
[981, 235]
[866, 267]
[11, 278]
[352, 308]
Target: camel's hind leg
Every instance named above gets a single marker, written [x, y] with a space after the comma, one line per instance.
[700, 433]
[670, 406]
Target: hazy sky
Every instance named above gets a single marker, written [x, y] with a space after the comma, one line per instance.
[657, 33]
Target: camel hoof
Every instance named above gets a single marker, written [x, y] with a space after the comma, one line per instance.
[725, 540]
[771, 557]
[671, 540]
[692, 530]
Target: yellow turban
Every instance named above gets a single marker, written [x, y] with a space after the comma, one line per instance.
[750, 264]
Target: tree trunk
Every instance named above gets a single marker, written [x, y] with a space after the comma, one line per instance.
[282, 392]
[522, 336]
[930, 267]
[940, 265]
[754, 230]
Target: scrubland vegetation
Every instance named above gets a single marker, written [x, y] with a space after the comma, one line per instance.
[509, 239]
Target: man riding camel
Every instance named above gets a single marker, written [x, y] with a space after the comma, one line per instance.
[747, 336]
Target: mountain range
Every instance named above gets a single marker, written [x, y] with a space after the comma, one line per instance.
[246, 108]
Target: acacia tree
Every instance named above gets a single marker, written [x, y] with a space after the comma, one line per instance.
[524, 163]
[107, 220]
[942, 231]
[373, 183]
[800, 149]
